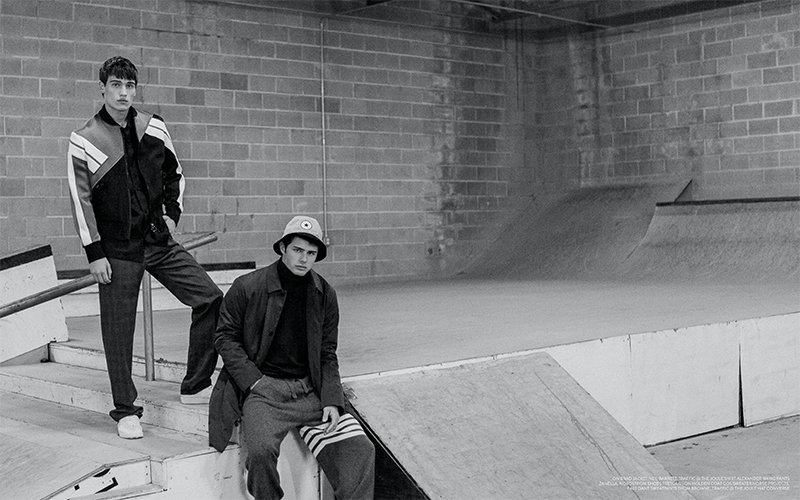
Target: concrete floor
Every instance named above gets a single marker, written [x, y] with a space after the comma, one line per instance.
[402, 325]
[758, 462]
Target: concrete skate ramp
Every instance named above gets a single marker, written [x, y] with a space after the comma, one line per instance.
[586, 233]
[511, 428]
[754, 240]
[640, 233]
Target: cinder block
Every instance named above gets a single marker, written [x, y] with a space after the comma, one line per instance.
[12, 187]
[790, 124]
[764, 26]
[763, 60]
[190, 96]
[750, 45]
[778, 75]
[748, 111]
[767, 160]
[779, 142]
[762, 127]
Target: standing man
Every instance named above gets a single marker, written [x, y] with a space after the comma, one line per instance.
[277, 335]
[126, 186]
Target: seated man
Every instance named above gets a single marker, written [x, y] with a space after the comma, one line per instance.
[277, 335]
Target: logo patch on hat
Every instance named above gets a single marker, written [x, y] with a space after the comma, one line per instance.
[306, 224]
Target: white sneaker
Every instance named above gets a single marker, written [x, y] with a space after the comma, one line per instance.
[201, 398]
[130, 428]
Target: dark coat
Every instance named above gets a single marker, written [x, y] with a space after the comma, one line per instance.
[246, 327]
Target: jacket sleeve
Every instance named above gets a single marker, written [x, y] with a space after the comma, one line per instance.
[332, 394]
[229, 338]
[79, 172]
[172, 173]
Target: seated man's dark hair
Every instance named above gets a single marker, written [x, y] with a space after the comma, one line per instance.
[121, 68]
[290, 237]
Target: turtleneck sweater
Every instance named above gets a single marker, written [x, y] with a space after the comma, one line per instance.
[288, 353]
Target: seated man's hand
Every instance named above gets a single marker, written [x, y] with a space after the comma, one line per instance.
[330, 414]
[101, 271]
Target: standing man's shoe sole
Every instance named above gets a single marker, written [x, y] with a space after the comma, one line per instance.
[130, 428]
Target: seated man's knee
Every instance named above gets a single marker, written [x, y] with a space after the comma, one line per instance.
[369, 449]
[365, 449]
[260, 455]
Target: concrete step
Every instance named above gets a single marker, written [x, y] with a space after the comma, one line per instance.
[75, 379]
[52, 450]
[71, 354]
[45, 425]
[89, 389]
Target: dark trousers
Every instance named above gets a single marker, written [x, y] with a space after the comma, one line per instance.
[180, 273]
[277, 406]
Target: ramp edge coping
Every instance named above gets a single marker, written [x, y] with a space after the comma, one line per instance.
[731, 201]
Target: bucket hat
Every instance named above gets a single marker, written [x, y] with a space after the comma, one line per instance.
[303, 225]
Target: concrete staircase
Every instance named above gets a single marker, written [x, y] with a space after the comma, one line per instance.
[59, 442]
[56, 438]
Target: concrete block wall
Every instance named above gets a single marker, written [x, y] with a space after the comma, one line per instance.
[438, 123]
[711, 97]
[416, 129]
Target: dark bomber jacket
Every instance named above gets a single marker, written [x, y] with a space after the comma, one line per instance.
[98, 180]
[248, 318]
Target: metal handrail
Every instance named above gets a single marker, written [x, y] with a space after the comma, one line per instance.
[88, 280]
[79, 284]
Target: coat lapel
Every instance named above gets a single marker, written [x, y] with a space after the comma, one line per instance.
[275, 298]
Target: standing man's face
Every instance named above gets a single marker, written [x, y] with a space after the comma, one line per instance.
[118, 94]
[299, 255]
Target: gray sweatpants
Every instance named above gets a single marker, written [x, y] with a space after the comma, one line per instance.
[277, 406]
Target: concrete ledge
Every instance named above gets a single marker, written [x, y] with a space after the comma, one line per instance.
[672, 384]
[222, 475]
[661, 385]
[770, 368]
[21, 275]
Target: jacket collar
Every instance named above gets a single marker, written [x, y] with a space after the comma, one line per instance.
[106, 116]
[274, 281]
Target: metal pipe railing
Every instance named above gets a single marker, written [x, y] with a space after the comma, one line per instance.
[147, 323]
[79, 284]
[86, 281]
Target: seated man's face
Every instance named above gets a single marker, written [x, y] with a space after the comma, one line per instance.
[299, 255]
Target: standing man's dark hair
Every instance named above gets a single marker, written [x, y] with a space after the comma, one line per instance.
[277, 335]
[121, 68]
[126, 186]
